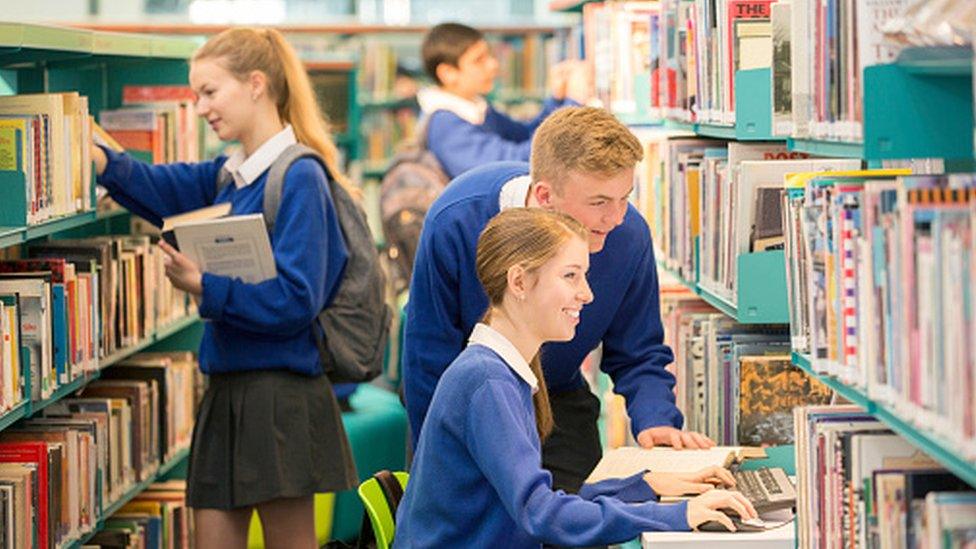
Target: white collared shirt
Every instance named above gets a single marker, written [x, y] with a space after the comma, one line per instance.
[487, 336]
[514, 193]
[436, 99]
[246, 170]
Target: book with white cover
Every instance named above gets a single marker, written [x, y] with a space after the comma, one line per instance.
[754, 175]
[630, 460]
[236, 246]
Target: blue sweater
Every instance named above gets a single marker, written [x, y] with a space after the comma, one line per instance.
[477, 480]
[261, 326]
[447, 300]
[460, 145]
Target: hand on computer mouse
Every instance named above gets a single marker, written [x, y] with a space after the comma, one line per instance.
[706, 507]
[680, 484]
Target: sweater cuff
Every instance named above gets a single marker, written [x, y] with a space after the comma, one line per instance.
[216, 290]
[636, 490]
[675, 515]
[118, 168]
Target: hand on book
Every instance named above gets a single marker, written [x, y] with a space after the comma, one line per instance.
[707, 507]
[99, 158]
[669, 436]
[681, 484]
[183, 273]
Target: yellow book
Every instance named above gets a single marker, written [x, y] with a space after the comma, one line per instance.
[11, 155]
[102, 137]
[19, 124]
[800, 180]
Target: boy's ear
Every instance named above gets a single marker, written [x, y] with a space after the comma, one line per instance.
[543, 192]
[446, 74]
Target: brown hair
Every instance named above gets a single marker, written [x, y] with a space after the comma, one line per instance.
[446, 43]
[528, 237]
[582, 140]
[242, 50]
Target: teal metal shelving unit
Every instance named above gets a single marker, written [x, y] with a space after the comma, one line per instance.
[134, 491]
[46, 59]
[761, 292]
[931, 444]
[920, 106]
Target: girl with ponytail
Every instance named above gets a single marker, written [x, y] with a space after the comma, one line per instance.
[477, 478]
[268, 433]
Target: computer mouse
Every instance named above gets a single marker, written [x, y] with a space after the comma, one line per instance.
[750, 525]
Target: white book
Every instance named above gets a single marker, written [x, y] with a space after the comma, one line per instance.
[35, 326]
[630, 460]
[237, 246]
[754, 175]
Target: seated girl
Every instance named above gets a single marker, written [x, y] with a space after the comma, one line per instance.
[477, 479]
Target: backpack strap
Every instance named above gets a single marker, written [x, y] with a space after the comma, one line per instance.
[276, 178]
[392, 490]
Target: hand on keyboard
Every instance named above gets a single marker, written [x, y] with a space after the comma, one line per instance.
[680, 484]
[709, 506]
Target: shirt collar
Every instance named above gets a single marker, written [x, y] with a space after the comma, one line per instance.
[246, 170]
[514, 192]
[487, 336]
[436, 99]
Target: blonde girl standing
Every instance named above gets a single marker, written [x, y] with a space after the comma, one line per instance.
[269, 433]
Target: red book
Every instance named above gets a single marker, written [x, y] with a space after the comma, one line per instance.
[36, 453]
[152, 94]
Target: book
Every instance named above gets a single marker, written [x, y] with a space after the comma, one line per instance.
[630, 460]
[236, 246]
[202, 214]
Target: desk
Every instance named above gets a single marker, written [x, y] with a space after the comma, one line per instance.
[783, 537]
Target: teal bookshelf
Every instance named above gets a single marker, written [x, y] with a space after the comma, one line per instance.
[161, 474]
[568, 6]
[921, 106]
[48, 59]
[761, 289]
[816, 147]
[933, 445]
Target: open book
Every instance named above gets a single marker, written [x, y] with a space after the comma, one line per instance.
[229, 245]
[630, 460]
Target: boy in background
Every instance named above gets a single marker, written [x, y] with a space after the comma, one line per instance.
[462, 130]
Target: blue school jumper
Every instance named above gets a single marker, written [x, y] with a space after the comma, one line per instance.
[460, 145]
[477, 480]
[446, 300]
[263, 326]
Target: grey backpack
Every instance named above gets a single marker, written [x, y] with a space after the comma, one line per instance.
[410, 185]
[357, 322]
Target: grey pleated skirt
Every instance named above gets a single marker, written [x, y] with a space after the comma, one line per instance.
[266, 435]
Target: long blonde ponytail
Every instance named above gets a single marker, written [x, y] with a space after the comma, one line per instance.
[242, 50]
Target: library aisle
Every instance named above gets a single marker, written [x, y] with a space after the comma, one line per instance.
[808, 179]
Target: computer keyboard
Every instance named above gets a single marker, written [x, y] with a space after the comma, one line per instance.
[768, 488]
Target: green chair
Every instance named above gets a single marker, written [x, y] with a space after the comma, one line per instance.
[381, 506]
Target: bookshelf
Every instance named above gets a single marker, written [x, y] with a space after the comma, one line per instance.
[933, 445]
[918, 106]
[46, 59]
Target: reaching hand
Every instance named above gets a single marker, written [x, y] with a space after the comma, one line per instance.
[706, 507]
[558, 75]
[669, 436]
[680, 484]
[183, 273]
